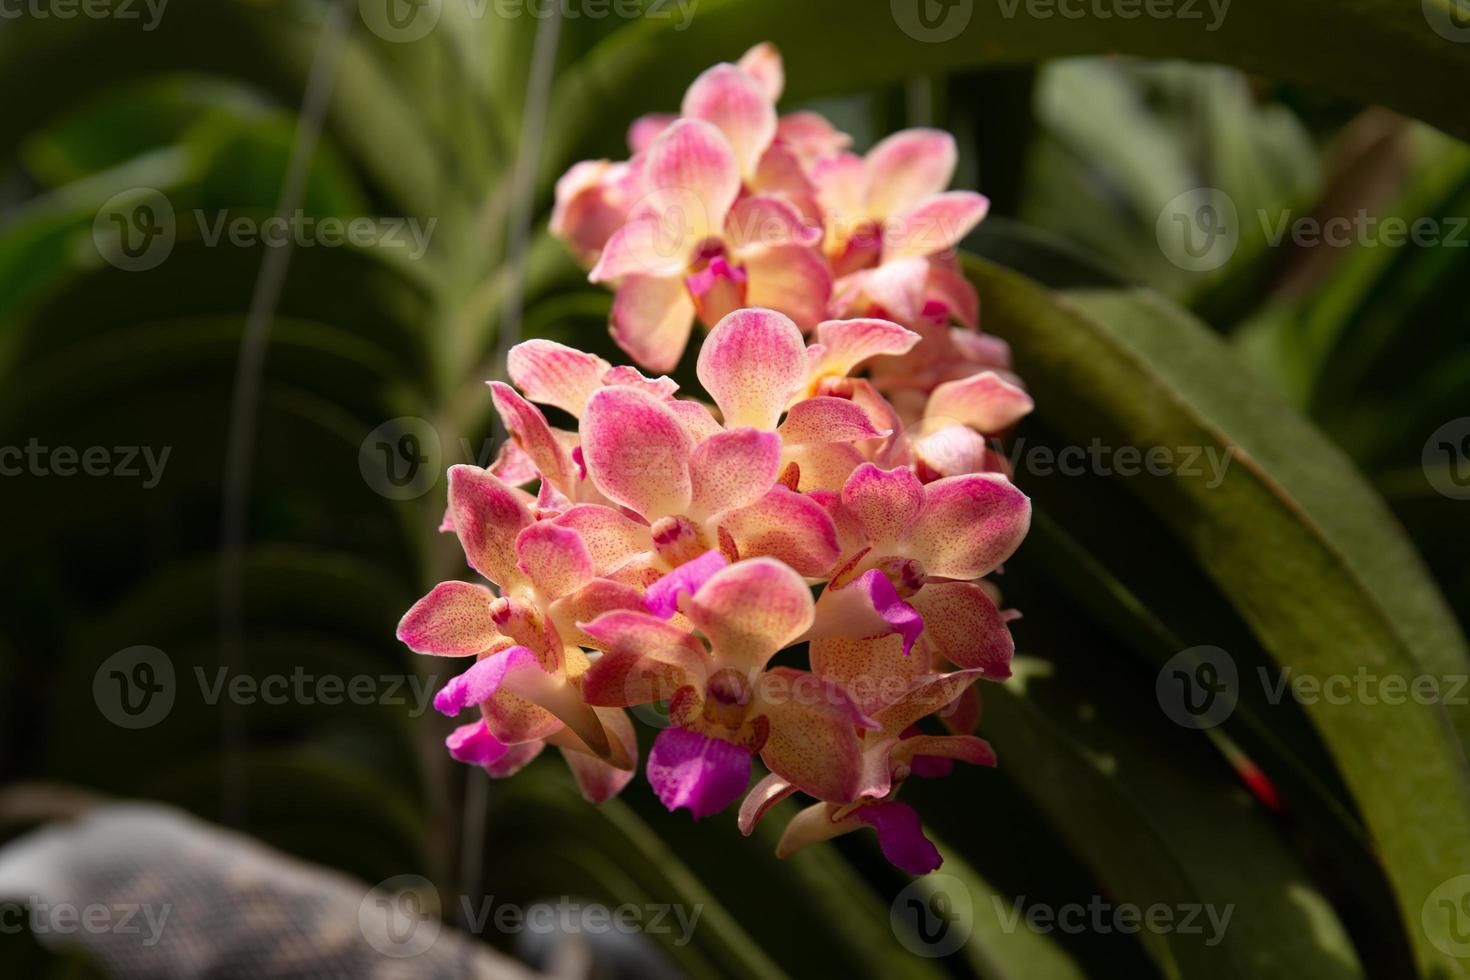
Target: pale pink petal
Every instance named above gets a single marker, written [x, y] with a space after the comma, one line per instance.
[555, 374]
[646, 129]
[662, 598]
[812, 739]
[487, 516]
[696, 418]
[453, 620]
[826, 419]
[530, 430]
[651, 243]
[763, 63]
[951, 288]
[750, 610]
[792, 279]
[931, 693]
[554, 559]
[825, 466]
[701, 774]
[591, 205]
[866, 607]
[474, 744]
[983, 401]
[759, 222]
[948, 450]
[894, 289]
[758, 802]
[662, 387]
[884, 502]
[637, 452]
[611, 539]
[811, 136]
[842, 189]
[735, 102]
[751, 363]
[733, 468]
[875, 672]
[787, 526]
[513, 466]
[647, 660]
[968, 525]
[908, 167]
[781, 174]
[900, 836]
[933, 227]
[587, 603]
[846, 344]
[693, 176]
[965, 627]
[651, 320]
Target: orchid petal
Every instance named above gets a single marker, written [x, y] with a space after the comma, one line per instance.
[763, 63]
[826, 419]
[701, 774]
[884, 502]
[662, 597]
[760, 222]
[965, 627]
[738, 104]
[908, 167]
[930, 694]
[751, 363]
[453, 620]
[983, 401]
[600, 781]
[900, 836]
[587, 603]
[751, 610]
[611, 539]
[487, 516]
[965, 748]
[896, 288]
[788, 526]
[732, 469]
[968, 525]
[792, 279]
[518, 755]
[554, 559]
[529, 428]
[848, 343]
[812, 740]
[651, 243]
[646, 129]
[874, 672]
[934, 227]
[758, 802]
[555, 374]
[474, 744]
[811, 135]
[693, 174]
[868, 606]
[637, 452]
[651, 320]
[646, 660]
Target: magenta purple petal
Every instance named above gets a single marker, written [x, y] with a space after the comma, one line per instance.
[701, 774]
[900, 836]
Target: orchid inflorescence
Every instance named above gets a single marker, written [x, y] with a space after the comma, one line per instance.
[671, 549]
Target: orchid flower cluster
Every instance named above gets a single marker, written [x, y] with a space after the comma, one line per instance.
[798, 570]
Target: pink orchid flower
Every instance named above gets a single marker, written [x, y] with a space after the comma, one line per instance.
[694, 247]
[528, 648]
[887, 214]
[726, 704]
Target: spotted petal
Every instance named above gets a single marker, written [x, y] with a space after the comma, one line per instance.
[739, 106]
[732, 469]
[751, 610]
[908, 167]
[751, 364]
[453, 620]
[968, 525]
[487, 516]
[651, 320]
[637, 452]
[984, 401]
[813, 740]
[788, 526]
[554, 374]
